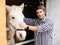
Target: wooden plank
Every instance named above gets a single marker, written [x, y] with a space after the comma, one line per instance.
[2, 23]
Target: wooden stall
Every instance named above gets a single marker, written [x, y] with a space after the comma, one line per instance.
[3, 40]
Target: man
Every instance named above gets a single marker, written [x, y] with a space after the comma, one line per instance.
[42, 27]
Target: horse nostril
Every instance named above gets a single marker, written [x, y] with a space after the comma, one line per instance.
[13, 17]
[20, 35]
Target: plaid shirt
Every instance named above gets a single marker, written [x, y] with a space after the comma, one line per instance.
[44, 34]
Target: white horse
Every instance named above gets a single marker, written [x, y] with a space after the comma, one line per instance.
[15, 17]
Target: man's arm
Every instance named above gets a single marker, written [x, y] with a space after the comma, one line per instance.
[33, 28]
[42, 28]
[39, 28]
[29, 21]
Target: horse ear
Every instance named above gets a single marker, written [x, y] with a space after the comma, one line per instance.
[8, 8]
[22, 6]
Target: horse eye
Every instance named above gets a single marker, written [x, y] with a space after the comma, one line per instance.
[13, 17]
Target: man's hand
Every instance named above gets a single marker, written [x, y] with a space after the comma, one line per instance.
[23, 25]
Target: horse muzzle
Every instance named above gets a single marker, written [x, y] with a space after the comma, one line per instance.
[20, 34]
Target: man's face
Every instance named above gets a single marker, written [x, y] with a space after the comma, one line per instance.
[40, 13]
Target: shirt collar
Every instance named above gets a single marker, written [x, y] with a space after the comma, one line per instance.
[44, 19]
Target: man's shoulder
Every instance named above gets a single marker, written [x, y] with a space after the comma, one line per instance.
[49, 21]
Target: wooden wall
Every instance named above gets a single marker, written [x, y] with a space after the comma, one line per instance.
[2, 23]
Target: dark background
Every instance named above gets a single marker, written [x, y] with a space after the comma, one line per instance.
[29, 11]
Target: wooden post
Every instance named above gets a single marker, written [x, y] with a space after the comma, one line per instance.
[3, 40]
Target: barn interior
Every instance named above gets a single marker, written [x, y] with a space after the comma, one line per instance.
[29, 12]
